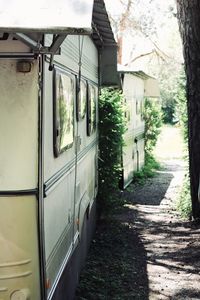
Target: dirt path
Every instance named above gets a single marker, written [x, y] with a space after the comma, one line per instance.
[149, 253]
[171, 245]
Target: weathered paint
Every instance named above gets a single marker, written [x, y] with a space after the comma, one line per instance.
[133, 150]
[19, 255]
[69, 178]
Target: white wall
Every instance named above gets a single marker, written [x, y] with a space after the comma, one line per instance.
[18, 127]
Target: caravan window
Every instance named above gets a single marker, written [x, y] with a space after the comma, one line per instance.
[63, 111]
[91, 109]
[137, 107]
[81, 100]
[127, 111]
[142, 109]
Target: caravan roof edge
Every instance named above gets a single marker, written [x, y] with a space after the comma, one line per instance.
[140, 74]
[49, 30]
[46, 16]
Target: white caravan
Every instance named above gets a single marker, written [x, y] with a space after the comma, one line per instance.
[54, 55]
[136, 85]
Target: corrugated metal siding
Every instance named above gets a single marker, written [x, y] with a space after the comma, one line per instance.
[71, 52]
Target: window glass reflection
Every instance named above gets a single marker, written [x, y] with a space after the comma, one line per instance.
[64, 111]
[92, 99]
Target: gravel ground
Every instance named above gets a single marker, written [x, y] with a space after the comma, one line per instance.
[171, 245]
[146, 252]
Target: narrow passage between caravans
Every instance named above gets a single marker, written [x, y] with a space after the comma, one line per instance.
[146, 251]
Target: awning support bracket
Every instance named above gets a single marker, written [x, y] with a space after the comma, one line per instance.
[37, 48]
[55, 48]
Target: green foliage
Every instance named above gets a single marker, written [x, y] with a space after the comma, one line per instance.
[168, 109]
[168, 81]
[111, 130]
[153, 123]
[184, 204]
[182, 106]
[168, 87]
[148, 171]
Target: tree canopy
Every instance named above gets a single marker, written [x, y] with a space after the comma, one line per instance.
[149, 40]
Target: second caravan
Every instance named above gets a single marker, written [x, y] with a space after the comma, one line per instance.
[136, 86]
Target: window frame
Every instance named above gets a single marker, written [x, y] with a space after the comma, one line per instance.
[91, 129]
[79, 115]
[127, 111]
[56, 148]
[137, 109]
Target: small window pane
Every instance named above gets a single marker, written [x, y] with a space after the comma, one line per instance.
[127, 111]
[137, 107]
[92, 98]
[64, 109]
[81, 105]
[142, 109]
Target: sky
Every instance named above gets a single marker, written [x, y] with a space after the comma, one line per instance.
[166, 28]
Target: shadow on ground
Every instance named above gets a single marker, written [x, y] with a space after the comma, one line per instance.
[153, 193]
[186, 294]
[172, 246]
[116, 265]
[144, 252]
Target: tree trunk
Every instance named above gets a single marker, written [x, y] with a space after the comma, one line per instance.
[189, 24]
[120, 45]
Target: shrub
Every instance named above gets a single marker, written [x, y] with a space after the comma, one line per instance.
[148, 171]
[111, 130]
[184, 204]
[153, 123]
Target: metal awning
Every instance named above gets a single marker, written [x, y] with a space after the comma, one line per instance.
[103, 37]
[102, 31]
[46, 16]
[30, 21]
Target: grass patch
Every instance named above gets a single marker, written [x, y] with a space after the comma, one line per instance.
[184, 203]
[148, 171]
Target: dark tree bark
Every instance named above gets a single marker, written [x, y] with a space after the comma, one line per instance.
[189, 24]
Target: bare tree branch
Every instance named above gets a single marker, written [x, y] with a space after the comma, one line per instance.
[161, 53]
[158, 54]
[140, 56]
[125, 15]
